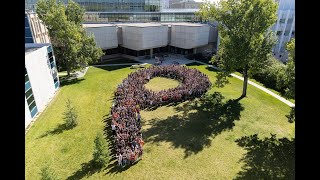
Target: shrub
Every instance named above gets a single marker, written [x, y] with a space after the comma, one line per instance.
[48, 174]
[70, 116]
[272, 76]
[292, 116]
[100, 152]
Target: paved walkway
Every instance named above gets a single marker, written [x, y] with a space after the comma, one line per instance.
[257, 86]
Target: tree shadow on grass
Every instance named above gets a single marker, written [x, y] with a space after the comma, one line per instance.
[87, 169]
[200, 120]
[70, 81]
[58, 130]
[112, 68]
[268, 158]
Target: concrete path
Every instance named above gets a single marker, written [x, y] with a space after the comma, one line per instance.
[257, 86]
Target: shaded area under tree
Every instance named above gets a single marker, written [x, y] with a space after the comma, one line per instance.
[192, 130]
[268, 158]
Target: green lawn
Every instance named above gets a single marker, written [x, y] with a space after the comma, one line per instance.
[119, 61]
[161, 83]
[193, 140]
[259, 83]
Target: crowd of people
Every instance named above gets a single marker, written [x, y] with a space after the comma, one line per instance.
[131, 96]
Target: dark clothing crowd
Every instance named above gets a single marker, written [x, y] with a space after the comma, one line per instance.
[131, 96]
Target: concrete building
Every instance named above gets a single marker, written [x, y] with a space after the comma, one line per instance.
[145, 40]
[35, 31]
[284, 28]
[41, 79]
[105, 35]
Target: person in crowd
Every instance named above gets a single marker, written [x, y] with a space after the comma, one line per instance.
[131, 96]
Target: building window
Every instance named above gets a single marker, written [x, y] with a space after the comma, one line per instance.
[279, 33]
[282, 21]
[29, 96]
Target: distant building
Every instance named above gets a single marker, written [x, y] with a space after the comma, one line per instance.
[284, 28]
[185, 4]
[144, 40]
[35, 30]
[41, 79]
[104, 11]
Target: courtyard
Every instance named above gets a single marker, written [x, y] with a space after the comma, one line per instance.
[207, 138]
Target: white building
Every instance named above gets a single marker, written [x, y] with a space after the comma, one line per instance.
[284, 28]
[105, 34]
[41, 79]
[145, 40]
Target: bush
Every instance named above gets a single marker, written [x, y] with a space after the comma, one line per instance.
[292, 116]
[272, 76]
[48, 174]
[100, 152]
[70, 116]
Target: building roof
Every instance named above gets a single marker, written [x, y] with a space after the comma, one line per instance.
[185, 24]
[30, 49]
[97, 25]
[142, 25]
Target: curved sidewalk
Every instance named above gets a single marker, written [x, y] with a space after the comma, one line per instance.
[257, 86]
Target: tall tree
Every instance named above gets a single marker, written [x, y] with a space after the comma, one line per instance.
[246, 42]
[289, 75]
[73, 47]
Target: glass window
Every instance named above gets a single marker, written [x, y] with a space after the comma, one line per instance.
[26, 22]
[26, 78]
[27, 32]
[30, 100]
[34, 111]
[50, 54]
[51, 58]
[55, 80]
[28, 93]
[31, 106]
[27, 86]
[279, 32]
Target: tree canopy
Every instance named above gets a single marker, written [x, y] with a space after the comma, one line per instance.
[73, 47]
[246, 40]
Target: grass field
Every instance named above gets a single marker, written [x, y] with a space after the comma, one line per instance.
[118, 61]
[208, 138]
[161, 83]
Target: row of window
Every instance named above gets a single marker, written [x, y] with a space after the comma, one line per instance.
[286, 33]
[29, 96]
[141, 17]
[52, 65]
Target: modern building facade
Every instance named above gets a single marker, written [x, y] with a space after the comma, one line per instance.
[35, 30]
[128, 11]
[284, 28]
[145, 40]
[41, 79]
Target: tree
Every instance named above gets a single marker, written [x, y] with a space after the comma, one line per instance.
[246, 41]
[100, 152]
[73, 47]
[70, 115]
[289, 75]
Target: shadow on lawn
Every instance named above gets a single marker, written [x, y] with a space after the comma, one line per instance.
[112, 68]
[268, 158]
[58, 130]
[201, 119]
[87, 169]
[70, 81]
